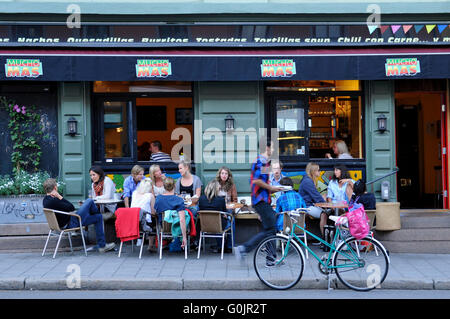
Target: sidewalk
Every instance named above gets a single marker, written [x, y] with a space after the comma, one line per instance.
[106, 271]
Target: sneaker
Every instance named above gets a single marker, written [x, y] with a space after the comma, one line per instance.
[108, 247]
[239, 253]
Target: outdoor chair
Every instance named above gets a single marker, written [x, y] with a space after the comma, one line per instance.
[50, 214]
[141, 232]
[287, 222]
[166, 232]
[211, 226]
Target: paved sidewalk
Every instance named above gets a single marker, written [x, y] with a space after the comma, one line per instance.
[107, 271]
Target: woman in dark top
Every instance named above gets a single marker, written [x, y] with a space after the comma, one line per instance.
[212, 201]
[361, 196]
[311, 195]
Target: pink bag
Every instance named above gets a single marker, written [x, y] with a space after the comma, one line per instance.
[358, 222]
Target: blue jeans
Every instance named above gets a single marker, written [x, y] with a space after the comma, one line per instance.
[268, 220]
[225, 224]
[90, 214]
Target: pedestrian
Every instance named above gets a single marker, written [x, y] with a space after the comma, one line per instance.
[261, 191]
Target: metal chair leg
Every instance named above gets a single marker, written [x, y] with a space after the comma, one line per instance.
[200, 245]
[69, 236]
[142, 245]
[57, 245]
[120, 249]
[46, 243]
[82, 238]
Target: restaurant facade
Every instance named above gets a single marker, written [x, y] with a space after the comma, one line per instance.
[208, 87]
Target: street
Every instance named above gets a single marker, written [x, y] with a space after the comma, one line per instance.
[225, 294]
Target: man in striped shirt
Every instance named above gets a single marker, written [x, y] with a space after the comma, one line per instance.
[157, 154]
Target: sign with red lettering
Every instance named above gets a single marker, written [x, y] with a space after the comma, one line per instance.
[402, 66]
[278, 68]
[23, 68]
[153, 68]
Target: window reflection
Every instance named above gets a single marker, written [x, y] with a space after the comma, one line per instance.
[291, 127]
[116, 129]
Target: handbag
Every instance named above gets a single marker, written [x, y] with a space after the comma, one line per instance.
[358, 222]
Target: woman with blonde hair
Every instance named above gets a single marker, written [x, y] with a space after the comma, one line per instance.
[308, 190]
[340, 149]
[226, 183]
[211, 200]
[157, 178]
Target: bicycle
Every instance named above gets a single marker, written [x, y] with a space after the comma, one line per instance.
[360, 264]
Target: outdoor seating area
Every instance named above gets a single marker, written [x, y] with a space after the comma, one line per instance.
[180, 216]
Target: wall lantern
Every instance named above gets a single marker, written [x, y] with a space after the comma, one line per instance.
[382, 123]
[229, 123]
[72, 124]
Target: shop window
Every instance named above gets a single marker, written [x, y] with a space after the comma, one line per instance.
[115, 129]
[312, 116]
[126, 122]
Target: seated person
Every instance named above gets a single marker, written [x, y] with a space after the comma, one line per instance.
[276, 176]
[310, 194]
[287, 201]
[169, 201]
[157, 154]
[144, 199]
[102, 187]
[212, 201]
[131, 183]
[226, 184]
[340, 149]
[189, 184]
[340, 187]
[361, 195]
[88, 212]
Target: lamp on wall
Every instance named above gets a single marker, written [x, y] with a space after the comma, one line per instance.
[382, 123]
[229, 123]
[72, 124]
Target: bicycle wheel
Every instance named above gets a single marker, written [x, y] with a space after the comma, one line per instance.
[361, 265]
[278, 265]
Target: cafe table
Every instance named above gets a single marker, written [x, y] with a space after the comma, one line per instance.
[336, 206]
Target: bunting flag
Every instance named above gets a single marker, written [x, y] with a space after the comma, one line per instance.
[372, 28]
[430, 27]
[395, 28]
[384, 28]
[441, 27]
[418, 27]
[407, 27]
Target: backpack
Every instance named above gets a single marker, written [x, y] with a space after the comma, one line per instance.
[358, 222]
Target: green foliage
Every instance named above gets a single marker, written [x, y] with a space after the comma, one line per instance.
[26, 132]
[26, 183]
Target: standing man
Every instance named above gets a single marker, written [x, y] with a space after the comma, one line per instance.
[261, 190]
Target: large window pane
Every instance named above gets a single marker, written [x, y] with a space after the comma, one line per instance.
[291, 127]
[116, 131]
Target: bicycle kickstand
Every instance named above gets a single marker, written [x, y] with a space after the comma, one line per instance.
[329, 283]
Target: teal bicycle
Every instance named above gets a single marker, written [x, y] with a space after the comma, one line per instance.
[360, 264]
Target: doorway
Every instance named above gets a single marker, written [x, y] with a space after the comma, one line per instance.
[419, 149]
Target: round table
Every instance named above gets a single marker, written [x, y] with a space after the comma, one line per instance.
[335, 206]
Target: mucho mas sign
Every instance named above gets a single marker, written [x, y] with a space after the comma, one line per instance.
[23, 68]
[402, 66]
[274, 68]
[153, 68]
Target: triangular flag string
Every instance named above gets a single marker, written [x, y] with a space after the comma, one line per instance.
[430, 27]
[407, 27]
[372, 28]
[395, 28]
[384, 28]
[418, 28]
[441, 27]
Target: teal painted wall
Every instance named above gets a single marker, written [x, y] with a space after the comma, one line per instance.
[213, 102]
[75, 151]
[380, 147]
